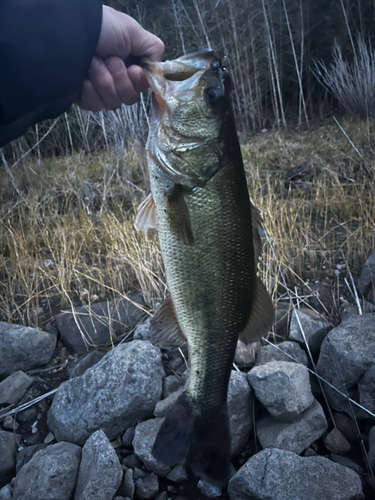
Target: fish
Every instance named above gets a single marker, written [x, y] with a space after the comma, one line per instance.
[200, 206]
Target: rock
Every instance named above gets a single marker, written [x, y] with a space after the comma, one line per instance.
[127, 487]
[366, 389]
[113, 395]
[346, 354]
[100, 472]
[283, 475]
[282, 319]
[26, 454]
[144, 439]
[240, 400]
[128, 437]
[346, 426]
[295, 436]
[131, 461]
[8, 447]
[346, 462]
[9, 423]
[313, 327]
[147, 487]
[171, 384]
[335, 442]
[367, 278]
[163, 496]
[352, 310]
[178, 474]
[283, 388]
[50, 475]
[270, 353]
[87, 362]
[137, 473]
[371, 454]
[322, 299]
[23, 348]
[14, 387]
[209, 490]
[163, 406]
[49, 438]
[6, 493]
[26, 415]
[99, 323]
[246, 354]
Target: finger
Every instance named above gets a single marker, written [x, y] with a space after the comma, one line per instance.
[138, 78]
[123, 84]
[143, 43]
[103, 83]
[89, 98]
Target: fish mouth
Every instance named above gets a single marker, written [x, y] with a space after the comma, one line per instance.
[179, 77]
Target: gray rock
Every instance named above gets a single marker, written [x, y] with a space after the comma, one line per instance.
[295, 436]
[50, 475]
[322, 296]
[163, 496]
[240, 400]
[14, 387]
[246, 354]
[209, 490]
[366, 389]
[352, 310]
[144, 439]
[163, 407]
[50, 438]
[283, 475]
[335, 442]
[171, 384]
[131, 461]
[113, 395]
[346, 354]
[8, 447]
[87, 362]
[147, 487]
[270, 353]
[313, 327]
[6, 492]
[23, 348]
[26, 415]
[9, 423]
[98, 322]
[283, 388]
[367, 278]
[178, 474]
[100, 472]
[346, 462]
[137, 473]
[346, 426]
[26, 454]
[127, 487]
[128, 436]
[371, 442]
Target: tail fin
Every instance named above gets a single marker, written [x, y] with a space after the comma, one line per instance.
[202, 442]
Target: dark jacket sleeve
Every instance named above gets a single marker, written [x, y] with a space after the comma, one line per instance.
[45, 50]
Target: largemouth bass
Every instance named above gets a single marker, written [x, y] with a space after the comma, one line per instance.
[200, 205]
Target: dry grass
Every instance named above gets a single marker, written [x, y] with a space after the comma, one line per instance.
[71, 239]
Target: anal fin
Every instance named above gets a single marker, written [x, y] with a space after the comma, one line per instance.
[261, 316]
[164, 326]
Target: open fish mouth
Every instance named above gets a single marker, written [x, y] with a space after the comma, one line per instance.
[179, 77]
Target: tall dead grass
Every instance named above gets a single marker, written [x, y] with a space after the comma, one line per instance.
[71, 238]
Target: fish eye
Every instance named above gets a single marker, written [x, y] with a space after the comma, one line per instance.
[213, 95]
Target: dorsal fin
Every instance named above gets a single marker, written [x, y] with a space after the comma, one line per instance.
[146, 217]
[164, 326]
[261, 316]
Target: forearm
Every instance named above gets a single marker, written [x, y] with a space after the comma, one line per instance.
[45, 50]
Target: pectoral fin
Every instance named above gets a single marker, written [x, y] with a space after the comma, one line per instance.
[164, 326]
[178, 215]
[146, 217]
[261, 316]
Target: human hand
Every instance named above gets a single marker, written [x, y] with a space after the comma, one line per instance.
[110, 83]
